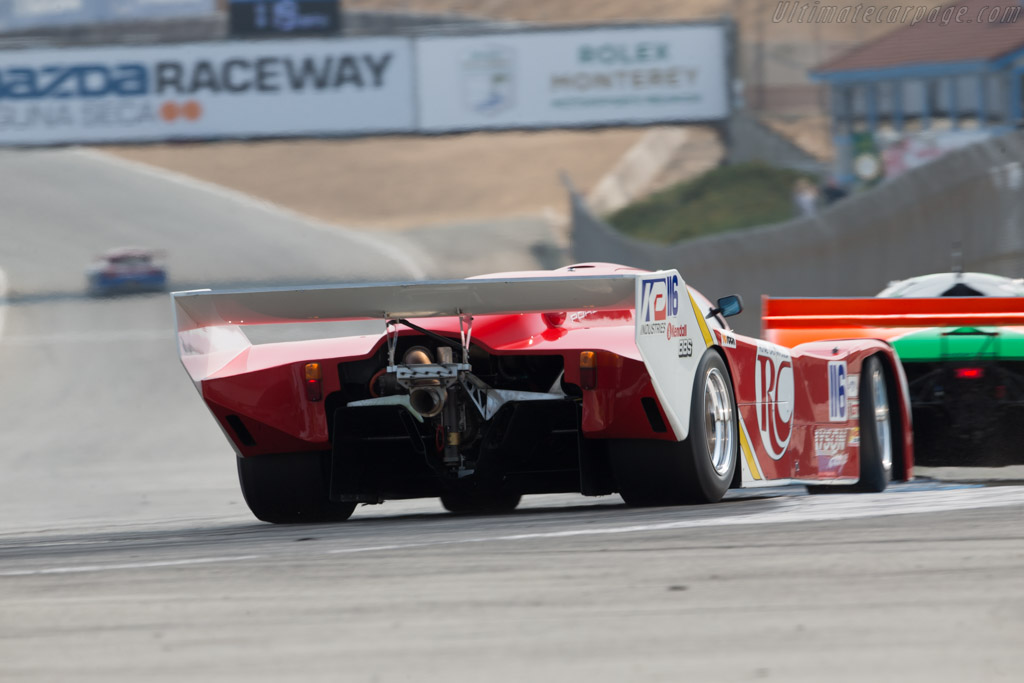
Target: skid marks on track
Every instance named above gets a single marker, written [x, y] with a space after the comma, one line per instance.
[902, 499]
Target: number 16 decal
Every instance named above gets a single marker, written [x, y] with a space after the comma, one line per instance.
[837, 391]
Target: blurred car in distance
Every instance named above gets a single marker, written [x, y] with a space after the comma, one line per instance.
[127, 270]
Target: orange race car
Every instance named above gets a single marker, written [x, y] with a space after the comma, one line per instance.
[960, 338]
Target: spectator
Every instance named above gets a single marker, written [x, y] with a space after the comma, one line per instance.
[832, 191]
[805, 197]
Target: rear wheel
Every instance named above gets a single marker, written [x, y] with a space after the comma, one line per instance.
[290, 488]
[876, 447]
[697, 470]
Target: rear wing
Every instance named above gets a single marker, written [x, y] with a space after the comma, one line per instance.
[209, 324]
[382, 301]
[794, 321]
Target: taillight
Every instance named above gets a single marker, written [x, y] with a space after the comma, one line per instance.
[555, 319]
[312, 374]
[970, 373]
[588, 370]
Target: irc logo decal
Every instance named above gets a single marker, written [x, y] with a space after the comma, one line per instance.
[660, 297]
[837, 386]
[659, 301]
[773, 381]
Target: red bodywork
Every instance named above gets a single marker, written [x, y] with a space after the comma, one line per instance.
[791, 428]
[795, 321]
[263, 383]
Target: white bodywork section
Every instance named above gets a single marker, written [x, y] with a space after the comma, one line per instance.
[664, 319]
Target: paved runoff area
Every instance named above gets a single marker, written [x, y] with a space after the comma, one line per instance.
[127, 553]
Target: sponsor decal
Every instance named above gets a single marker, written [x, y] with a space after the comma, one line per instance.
[854, 439]
[581, 316]
[830, 448]
[685, 347]
[829, 441]
[836, 462]
[837, 384]
[853, 387]
[659, 300]
[725, 339]
[489, 80]
[592, 316]
[773, 380]
[854, 408]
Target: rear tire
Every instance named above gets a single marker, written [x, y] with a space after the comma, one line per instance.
[876, 433]
[697, 470]
[291, 488]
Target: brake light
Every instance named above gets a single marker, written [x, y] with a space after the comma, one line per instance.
[970, 373]
[588, 370]
[312, 375]
[555, 319]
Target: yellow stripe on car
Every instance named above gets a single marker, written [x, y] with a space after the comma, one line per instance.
[705, 332]
[748, 453]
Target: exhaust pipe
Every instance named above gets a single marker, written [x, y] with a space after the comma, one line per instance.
[427, 397]
[428, 401]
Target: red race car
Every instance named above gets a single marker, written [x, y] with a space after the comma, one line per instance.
[595, 379]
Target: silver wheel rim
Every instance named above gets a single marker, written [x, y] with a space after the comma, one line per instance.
[718, 422]
[883, 428]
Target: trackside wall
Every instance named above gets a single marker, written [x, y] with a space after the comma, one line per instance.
[909, 226]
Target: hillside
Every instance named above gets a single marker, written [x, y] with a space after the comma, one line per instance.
[725, 198]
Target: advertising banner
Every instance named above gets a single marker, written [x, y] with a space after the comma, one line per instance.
[16, 15]
[22, 15]
[580, 77]
[209, 90]
[132, 10]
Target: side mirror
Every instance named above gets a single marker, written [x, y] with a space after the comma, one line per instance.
[727, 306]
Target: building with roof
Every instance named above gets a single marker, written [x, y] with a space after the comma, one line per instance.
[947, 78]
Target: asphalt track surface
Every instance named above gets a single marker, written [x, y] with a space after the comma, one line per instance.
[127, 553]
